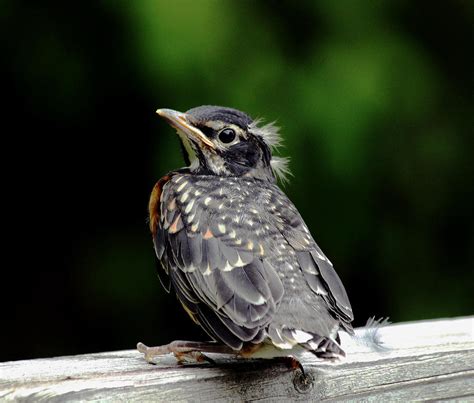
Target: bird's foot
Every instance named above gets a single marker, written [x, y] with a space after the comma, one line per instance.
[302, 380]
[293, 364]
[184, 351]
[150, 352]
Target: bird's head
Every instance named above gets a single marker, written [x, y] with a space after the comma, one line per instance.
[227, 142]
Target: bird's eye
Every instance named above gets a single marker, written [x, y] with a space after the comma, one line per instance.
[227, 136]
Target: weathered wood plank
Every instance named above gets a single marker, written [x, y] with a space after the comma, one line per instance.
[425, 360]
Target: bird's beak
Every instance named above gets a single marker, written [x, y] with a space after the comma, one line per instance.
[181, 123]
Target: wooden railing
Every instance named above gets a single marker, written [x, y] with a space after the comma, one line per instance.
[423, 360]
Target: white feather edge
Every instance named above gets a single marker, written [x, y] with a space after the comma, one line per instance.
[270, 133]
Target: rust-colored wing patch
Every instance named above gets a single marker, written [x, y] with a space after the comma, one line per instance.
[154, 203]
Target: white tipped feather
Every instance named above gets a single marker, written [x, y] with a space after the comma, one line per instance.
[301, 336]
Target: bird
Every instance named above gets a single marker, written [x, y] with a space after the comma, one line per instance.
[236, 251]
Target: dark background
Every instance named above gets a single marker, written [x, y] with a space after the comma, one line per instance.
[376, 104]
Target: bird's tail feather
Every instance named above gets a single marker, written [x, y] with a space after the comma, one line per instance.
[370, 337]
[330, 347]
[322, 347]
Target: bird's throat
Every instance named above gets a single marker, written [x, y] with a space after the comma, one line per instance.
[190, 156]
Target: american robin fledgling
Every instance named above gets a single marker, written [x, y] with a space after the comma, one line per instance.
[235, 249]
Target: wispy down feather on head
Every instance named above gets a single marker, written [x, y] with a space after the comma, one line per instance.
[270, 133]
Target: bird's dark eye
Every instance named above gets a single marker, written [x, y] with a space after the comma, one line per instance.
[227, 136]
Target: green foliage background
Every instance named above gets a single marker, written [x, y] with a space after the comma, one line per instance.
[375, 101]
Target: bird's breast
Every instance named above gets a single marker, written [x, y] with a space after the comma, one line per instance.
[154, 203]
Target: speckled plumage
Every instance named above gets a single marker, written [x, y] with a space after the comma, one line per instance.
[243, 262]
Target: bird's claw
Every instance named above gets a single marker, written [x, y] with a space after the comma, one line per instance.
[192, 357]
[147, 352]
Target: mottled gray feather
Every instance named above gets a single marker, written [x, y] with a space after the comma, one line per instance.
[243, 262]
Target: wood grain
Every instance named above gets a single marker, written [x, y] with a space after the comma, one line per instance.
[423, 361]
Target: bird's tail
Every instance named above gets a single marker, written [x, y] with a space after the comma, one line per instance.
[368, 337]
[330, 348]
[322, 347]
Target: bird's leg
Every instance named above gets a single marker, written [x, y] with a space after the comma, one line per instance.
[185, 351]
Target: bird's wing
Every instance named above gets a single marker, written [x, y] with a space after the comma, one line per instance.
[221, 276]
[316, 267]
